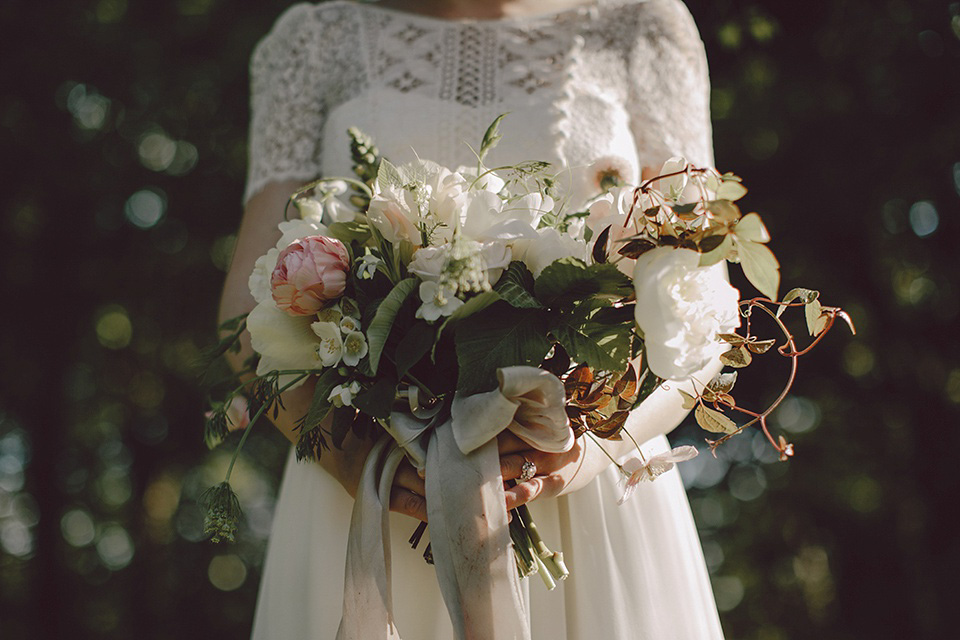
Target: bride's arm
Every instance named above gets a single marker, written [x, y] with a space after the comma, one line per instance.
[258, 233]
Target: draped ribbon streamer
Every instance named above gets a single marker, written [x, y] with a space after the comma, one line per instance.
[469, 534]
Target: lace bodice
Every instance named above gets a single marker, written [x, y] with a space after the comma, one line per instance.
[624, 78]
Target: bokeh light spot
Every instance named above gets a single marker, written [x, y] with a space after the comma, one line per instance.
[221, 252]
[115, 547]
[16, 538]
[114, 329]
[858, 359]
[797, 415]
[924, 218]
[156, 151]
[952, 387]
[728, 592]
[227, 572]
[78, 528]
[864, 494]
[145, 208]
[110, 11]
[747, 482]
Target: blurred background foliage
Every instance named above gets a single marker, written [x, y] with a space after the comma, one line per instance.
[123, 126]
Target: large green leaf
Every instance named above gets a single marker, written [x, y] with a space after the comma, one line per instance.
[377, 401]
[504, 337]
[570, 279]
[760, 267]
[515, 286]
[348, 232]
[415, 344]
[605, 346]
[382, 323]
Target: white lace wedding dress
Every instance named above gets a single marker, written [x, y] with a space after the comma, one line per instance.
[623, 78]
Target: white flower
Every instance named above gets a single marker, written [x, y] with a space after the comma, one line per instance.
[354, 348]
[428, 262]
[330, 348]
[657, 465]
[681, 307]
[607, 172]
[349, 307]
[395, 213]
[342, 394]
[331, 313]
[368, 266]
[438, 300]
[349, 324]
[549, 246]
[283, 341]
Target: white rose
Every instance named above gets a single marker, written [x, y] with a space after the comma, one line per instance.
[395, 214]
[549, 246]
[681, 307]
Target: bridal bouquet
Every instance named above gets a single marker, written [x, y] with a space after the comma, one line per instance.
[435, 307]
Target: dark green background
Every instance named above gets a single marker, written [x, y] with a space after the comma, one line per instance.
[123, 129]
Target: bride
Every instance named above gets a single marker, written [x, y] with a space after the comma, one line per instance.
[622, 81]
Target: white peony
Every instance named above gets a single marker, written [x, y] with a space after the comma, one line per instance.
[283, 341]
[681, 307]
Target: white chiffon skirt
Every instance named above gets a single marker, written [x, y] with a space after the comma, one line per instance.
[636, 570]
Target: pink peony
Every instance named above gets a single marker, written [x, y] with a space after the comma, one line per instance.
[309, 273]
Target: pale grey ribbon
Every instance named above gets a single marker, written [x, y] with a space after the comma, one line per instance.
[469, 535]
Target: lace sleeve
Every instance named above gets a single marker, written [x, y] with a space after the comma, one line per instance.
[287, 110]
[669, 87]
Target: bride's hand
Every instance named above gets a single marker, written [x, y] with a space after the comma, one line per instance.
[555, 471]
[407, 496]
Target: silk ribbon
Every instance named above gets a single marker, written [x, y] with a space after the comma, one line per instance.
[469, 534]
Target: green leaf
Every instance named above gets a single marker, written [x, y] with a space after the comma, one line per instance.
[348, 232]
[760, 267]
[491, 137]
[389, 175]
[413, 346]
[816, 321]
[570, 279]
[507, 337]
[379, 329]
[751, 228]
[515, 287]
[731, 190]
[713, 420]
[320, 405]
[377, 401]
[342, 421]
[718, 253]
[805, 296]
[602, 346]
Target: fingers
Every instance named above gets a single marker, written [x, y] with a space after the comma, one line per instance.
[538, 487]
[508, 442]
[408, 478]
[408, 503]
[511, 465]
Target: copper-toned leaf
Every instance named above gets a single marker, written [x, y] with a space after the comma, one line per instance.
[635, 248]
[723, 383]
[737, 357]
[600, 246]
[711, 242]
[843, 315]
[626, 386]
[726, 399]
[578, 382]
[760, 346]
[609, 429]
[732, 339]
[713, 420]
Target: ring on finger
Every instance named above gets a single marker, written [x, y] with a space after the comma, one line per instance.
[527, 470]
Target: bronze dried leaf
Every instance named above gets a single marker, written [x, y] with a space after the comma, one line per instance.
[635, 248]
[723, 383]
[626, 386]
[600, 246]
[736, 357]
[732, 338]
[609, 429]
[760, 346]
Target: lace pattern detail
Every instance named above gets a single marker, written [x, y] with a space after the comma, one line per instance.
[576, 68]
